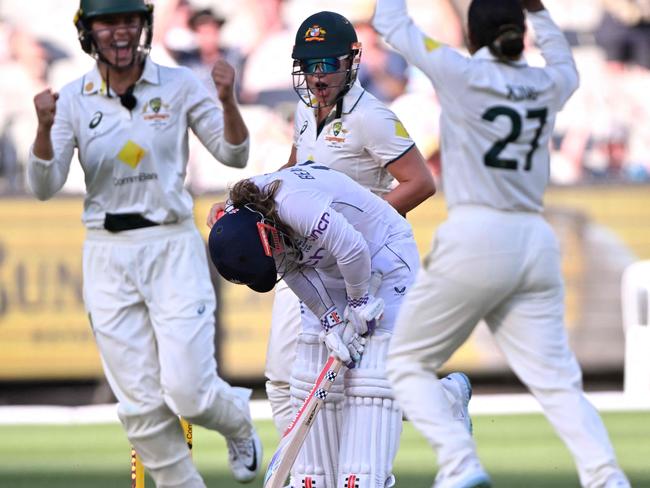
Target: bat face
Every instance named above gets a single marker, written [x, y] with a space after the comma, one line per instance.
[275, 463]
[294, 436]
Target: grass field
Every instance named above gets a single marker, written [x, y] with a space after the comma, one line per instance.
[520, 451]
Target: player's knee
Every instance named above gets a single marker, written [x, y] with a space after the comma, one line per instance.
[186, 401]
[192, 399]
[311, 354]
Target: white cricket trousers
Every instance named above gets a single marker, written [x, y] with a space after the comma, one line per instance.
[503, 267]
[151, 305]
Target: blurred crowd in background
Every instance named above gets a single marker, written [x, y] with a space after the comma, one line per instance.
[602, 136]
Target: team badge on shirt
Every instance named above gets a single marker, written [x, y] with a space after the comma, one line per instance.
[336, 134]
[156, 112]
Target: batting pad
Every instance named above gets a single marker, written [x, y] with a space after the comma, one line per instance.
[372, 422]
[316, 464]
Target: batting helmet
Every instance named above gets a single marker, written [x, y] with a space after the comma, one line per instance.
[324, 34]
[238, 252]
[88, 9]
[325, 38]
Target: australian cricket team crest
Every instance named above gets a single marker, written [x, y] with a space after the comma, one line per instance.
[315, 33]
[156, 112]
[336, 134]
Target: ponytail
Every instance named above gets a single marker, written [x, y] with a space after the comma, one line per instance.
[509, 43]
[498, 24]
[262, 200]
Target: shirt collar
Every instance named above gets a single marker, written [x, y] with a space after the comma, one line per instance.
[93, 82]
[485, 54]
[352, 97]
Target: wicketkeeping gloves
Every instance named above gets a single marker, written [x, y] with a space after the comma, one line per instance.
[363, 313]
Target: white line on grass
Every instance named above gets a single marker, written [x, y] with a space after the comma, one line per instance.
[500, 404]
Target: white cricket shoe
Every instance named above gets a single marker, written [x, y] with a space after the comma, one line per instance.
[471, 475]
[479, 479]
[244, 453]
[617, 480]
[245, 457]
[460, 388]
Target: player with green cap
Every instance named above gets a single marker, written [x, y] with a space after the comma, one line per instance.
[129, 119]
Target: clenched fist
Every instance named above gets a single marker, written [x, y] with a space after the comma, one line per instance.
[45, 105]
[223, 76]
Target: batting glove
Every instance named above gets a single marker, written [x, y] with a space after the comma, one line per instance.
[344, 343]
[364, 313]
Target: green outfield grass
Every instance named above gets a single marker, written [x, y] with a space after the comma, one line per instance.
[520, 451]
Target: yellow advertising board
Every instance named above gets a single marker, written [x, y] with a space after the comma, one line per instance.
[44, 330]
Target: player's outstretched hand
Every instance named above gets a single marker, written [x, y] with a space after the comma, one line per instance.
[223, 76]
[532, 5]
[45, 105]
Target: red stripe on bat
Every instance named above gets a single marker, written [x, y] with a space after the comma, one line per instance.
[323, 372]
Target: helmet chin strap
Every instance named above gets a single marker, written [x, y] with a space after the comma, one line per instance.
[339, 106]
[127, 99]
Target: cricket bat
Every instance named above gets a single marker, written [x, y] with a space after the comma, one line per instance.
[295, 435]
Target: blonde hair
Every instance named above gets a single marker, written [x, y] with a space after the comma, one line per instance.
[245, 192]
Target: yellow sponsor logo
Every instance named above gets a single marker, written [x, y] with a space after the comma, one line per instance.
[430, 44]
[400, 130]
[131, 154]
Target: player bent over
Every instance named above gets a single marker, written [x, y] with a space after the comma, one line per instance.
[324, 234]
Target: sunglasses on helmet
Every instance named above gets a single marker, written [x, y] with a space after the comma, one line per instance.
[322, 65]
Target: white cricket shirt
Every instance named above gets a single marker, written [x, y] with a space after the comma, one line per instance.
[497, 118]
[361, 143]
[338, 226]
[133, 161]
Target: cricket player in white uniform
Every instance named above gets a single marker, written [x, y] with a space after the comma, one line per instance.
[495, 258]
[340, 125]
[146, 283]
[324, 234]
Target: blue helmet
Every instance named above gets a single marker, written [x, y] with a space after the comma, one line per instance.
[239, 251]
